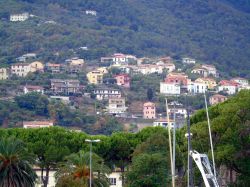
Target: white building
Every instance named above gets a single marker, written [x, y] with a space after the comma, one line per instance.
[196, 87]
[116, 106]
[163, 122]
[177, 108]
[91, 12]
[211, 69]
[19, 17]
[229, 87]
[170, 88]
[188, 61]
[37, 124]
[115, 179]
[107, 93]
[241, 81]
[20, 69]
[31, 88]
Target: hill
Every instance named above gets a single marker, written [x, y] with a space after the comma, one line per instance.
[213, 31]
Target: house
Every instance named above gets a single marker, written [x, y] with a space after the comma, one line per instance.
[20, 69]
[229, 87]
[36, 66]
[188, 61]
[37, 124]
[163, 122]
[217, 98]
[4, 73]
[196, 87]
[209, 82]
[123, 80]
[149, 110]
[75, 65]
[19, 17]
[31, 88]
[211, 69]
[200, 71]
[91, 12]
[115, 179]
[116, 106]
[103, 70]
[241, 81]
[53, 68]
[103, 93]
[24, 57]
[177, 78]
[177, 109]
[65, 86]
[119, 59]
[166, 59]
[170, 88]
[95, 77]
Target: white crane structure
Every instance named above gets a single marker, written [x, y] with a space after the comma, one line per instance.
[203, 164]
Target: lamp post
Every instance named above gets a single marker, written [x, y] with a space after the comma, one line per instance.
[90, 159]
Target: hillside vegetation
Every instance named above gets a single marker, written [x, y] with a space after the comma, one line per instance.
[215, 32]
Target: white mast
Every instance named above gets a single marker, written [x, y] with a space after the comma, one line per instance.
[210, 135]
[170, 146]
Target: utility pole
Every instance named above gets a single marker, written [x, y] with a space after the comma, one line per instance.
[90, 159]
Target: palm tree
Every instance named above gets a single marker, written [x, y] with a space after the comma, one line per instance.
[15, 168]
[75, 171]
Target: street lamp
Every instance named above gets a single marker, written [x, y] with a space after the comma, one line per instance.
[90, 158]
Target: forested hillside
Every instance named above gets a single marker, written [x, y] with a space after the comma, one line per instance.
[215, 32]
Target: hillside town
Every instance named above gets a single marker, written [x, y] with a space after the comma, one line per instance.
[110, 81]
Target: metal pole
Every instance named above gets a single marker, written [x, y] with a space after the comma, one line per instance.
[210, 135]
[170, 144]
[90, 165]
[174, 140]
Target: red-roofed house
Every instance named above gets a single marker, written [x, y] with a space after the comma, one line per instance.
[149, 110]
[217, 98]
[177, 78]
[123, 80]
[241, 81]
[230, 87]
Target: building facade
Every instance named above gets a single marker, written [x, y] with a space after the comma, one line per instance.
[37, 124]
[20, 69]
[116, 106]
[123, 80]
[19, 17]
[95, 77]
[4, 73]
[31, 88]
[107, 93]
[170, 88]
[149, 110]
[67, 86]
[217, 98]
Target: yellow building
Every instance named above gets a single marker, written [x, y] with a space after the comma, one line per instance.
[210, 83]
[36, 66]
[3, 74]
[103, 70]
[95, 77]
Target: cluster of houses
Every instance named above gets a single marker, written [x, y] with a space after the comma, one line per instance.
[175, 82]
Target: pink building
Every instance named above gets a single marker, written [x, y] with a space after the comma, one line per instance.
[149, 110]
[217, 98]
[123, 80]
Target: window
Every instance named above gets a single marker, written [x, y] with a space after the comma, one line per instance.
[112, 181]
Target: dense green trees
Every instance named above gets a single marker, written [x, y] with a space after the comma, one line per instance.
[186, 28]
[15, 164]
[75, 170]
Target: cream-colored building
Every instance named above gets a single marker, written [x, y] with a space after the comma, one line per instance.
[20, 69]
[210, 83]
[36, 66]
[95, 77]
[4, 73]
[37, 124]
